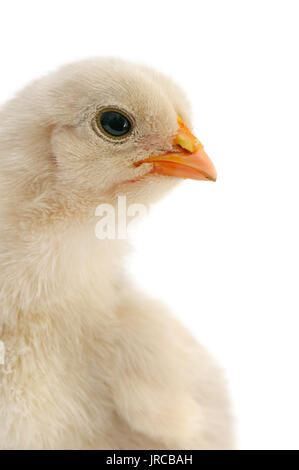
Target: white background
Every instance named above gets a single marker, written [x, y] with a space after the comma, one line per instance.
[224, 256]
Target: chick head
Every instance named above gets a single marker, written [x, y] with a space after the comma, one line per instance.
[101, 127]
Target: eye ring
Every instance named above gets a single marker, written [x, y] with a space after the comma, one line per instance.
[113, 122]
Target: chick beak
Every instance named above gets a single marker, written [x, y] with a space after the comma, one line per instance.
[189, 160]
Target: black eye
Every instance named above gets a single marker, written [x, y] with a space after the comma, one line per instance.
[114, 123]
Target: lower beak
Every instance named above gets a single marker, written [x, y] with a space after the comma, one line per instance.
[188, 161]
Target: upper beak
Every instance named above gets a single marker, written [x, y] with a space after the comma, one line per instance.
[188, 161]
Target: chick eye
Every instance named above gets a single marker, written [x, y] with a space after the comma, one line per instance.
[114, 123]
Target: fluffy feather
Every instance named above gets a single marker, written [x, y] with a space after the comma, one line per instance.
[91, 363]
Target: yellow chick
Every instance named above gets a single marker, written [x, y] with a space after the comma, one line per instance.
[90, 362]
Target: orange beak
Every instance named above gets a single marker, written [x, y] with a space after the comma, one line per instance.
[188, 161]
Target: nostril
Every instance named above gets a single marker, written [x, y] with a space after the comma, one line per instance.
[185, 139]
[187, 142]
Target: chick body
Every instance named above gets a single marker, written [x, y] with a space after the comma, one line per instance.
[90, 362]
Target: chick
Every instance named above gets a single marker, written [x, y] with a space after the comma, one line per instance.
[91, 362]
